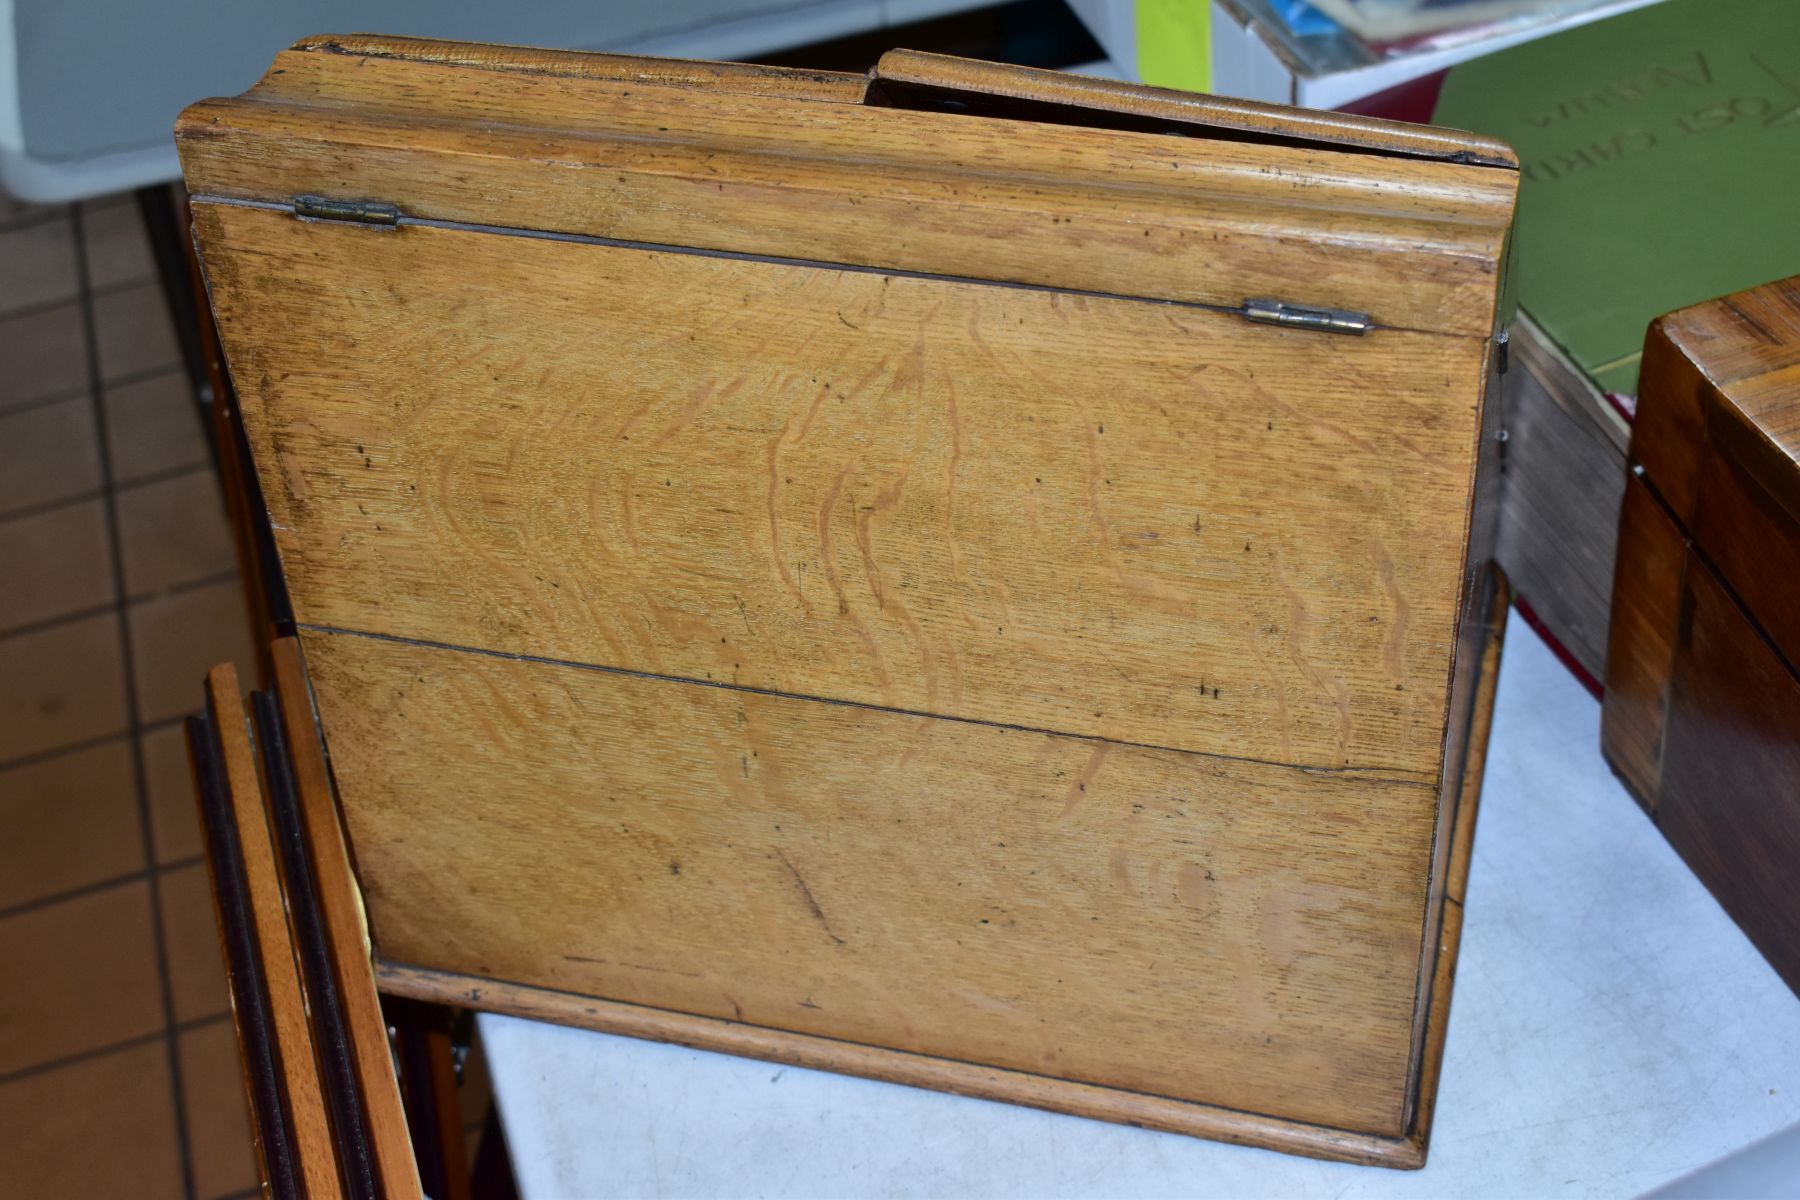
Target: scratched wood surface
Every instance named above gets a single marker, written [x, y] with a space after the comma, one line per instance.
[981, 1078]
[1040, 902]
[1719, 440]
[1061, 512]
[918, 614]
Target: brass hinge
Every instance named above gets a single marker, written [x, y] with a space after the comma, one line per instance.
[1300, 316]
[362, 212]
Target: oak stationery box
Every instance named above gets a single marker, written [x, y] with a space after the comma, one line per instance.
[967, 575]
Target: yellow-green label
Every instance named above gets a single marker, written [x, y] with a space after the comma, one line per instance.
[1174, 43]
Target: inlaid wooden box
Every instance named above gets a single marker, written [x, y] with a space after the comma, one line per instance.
[970, 576]
[1702, 713]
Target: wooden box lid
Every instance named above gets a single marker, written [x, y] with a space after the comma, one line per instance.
[1718, 438]
[967, 575]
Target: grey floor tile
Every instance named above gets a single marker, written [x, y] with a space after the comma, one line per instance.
[173, 532]
[118, 249]
[218, 1118]
[191, 936]
[104, 1126]
[43, 353]
[176, 639]
[37, 265]
[53, 563]
[49, 452]
[134, 332]
[60, 686]
[23, 212]
[82, 974]
[152, 426]
[174, 815]
[69, 821]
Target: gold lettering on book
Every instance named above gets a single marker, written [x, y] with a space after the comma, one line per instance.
[1621, 92]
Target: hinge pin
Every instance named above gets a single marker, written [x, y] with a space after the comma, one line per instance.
[363, 212]
[1297, 316]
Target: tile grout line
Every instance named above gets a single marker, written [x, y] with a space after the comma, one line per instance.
[43, 215]
[73, 616]
[44, 507]
[13, 408]
[93, 1052]
[81, 614]
[212, 579]
[128, 673]
[165, 475]
[124, 379]
[26, 907]
[39, 307]
[100, 739]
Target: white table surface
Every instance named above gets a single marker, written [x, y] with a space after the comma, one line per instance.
[1611, 1030]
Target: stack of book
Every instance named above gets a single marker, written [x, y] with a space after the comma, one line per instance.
[1660, 152]
[1381, 57]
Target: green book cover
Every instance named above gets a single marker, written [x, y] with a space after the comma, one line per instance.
[1660, 153]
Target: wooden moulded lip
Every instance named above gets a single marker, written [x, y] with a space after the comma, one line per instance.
[641, 154]
[793, 83]
[897, 1066]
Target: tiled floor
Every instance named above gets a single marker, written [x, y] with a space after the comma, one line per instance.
[118, 588]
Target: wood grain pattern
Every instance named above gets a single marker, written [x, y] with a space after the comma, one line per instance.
[1670, 433]
[314, 1149]
[1560, 494]
[734, 1036]
[1747, 345]
[922, 495]
[1720, 442]
[718, 77]
[1731, 379]
[1492, 602]
[237, 476]
[340, 907]
[1414, 243]
[944, 888]
[1729, 797]
[1704, 728]
[845, 582]
[1646, 608]
[961, 1078]
[1753, 542]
